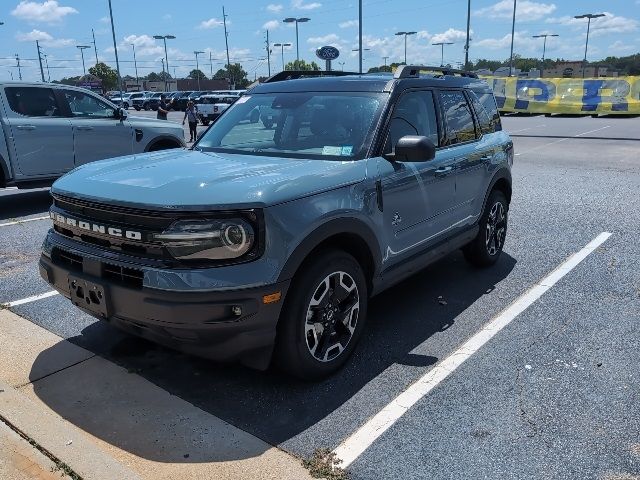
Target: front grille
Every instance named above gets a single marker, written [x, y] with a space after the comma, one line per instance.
[69, 260]
[129, 277]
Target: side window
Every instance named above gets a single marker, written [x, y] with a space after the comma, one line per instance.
[486, 123]
[488, 101]
[87, 106]
[414, 114]
[457, 117]
[33, 101]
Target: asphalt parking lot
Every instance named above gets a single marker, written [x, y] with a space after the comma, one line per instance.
[554, 394]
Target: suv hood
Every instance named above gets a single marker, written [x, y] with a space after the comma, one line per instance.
[199, 181]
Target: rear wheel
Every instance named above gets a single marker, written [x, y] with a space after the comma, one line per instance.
[485, 249]
[323, 317]
[145, 106]
[137, 108]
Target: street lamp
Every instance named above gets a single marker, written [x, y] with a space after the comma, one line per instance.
[513, 33]
[442, 44]
[589, 16]
[282, 45]
[360, 56]
[405, 43]
[135, 62]
[544, 45]
[296, 20]
[166, 57]
[46, 61]
[82, 49]
[196, 53]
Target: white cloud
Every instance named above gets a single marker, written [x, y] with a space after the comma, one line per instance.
[275, 7]
[167, 16]
[300, 5]
[105, 20]
[520, 39]
[423, 35]
[47, 12]
[44, 38]
[451, 35]
[145, 45]
[526, 10]
[600, 26]
[211, 23]
[348, 24]
[326, 40]
[271, 25]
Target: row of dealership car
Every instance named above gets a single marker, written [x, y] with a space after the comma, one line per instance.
[177, 101]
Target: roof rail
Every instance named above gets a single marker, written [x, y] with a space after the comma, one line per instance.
[413, 71]
[293, 74]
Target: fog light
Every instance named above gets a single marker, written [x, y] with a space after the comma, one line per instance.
[236, 310]
[272, 298]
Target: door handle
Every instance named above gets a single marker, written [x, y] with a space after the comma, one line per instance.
[84, 127]
[485, 158]
[443, 171]
[26, 127]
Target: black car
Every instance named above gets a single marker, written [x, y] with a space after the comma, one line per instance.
[180, 102]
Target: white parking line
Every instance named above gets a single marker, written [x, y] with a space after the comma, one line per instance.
[525, 129]
[360, 440]
[35, 298]
[564, 139]
[23, 221]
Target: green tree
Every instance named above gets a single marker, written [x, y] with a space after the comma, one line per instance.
[380, 69]
[234, 74]
[108, 75]
[158, 77]
[301, 65]
[68, 81]
[195, 74]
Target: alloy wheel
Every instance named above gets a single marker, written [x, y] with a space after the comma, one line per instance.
[496, 228]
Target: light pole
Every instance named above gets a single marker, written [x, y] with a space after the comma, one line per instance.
[282, 45]
[544, 45]
[442, 44]
[196, 53]
[46, 62]
[166, 57]
[341, 66]
[135, 62]
[115, 48]
[296, 20]
[385, 60]
[405, 42]
[588, 16]
[513, 32]
[466, 43]
[82, 49]
[360, 56]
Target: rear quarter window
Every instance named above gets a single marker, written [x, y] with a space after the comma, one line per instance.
[33, 101]
[488, 102]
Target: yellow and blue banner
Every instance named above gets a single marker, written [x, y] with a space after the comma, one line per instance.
[586, 96]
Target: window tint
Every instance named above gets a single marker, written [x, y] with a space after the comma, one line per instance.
[414, 114]
[33, 101]
[486, 123]
[488, 101]
[84, 105]
[457, 117]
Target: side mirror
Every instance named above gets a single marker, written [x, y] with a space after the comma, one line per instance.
[120, 113]
[414, 148]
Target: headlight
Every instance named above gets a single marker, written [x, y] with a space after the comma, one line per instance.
[208, 239]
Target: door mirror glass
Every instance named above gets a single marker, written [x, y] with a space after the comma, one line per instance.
[414, 148]
[120, 113]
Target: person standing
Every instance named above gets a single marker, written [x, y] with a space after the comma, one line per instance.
[191, 114]
[163, 108]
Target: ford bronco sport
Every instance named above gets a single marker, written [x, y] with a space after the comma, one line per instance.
[261, 244]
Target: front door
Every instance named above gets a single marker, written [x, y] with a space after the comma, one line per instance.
[417, 196]
[97, 134]
[41, 136]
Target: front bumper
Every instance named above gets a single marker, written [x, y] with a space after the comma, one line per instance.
[206, 324]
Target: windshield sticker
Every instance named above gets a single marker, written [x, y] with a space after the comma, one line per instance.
[243, 99]
[347, 150]
[330, 150]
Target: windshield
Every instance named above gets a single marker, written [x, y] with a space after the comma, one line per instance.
[324, 125]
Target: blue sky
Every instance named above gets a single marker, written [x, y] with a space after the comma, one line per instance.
[61, 25]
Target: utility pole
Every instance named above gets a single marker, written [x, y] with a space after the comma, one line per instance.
[40, 60]
[226, 43]
[19, 69]
[466, 45]
[135, 62]
[196, 53]
[513, 32]
[46, 61]
[268, 54]
[360, 36]
[95, 48]
[211, 64]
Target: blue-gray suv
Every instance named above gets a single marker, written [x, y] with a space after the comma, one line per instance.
[263, 244]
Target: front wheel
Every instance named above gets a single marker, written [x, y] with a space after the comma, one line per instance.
[485, 249]
[323, 317]
[137, 108]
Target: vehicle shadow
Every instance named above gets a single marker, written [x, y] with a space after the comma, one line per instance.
[24, 202]
[271, 405]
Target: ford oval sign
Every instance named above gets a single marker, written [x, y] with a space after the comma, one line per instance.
[328, 53]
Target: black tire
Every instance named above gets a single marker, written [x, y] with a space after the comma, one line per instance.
[298, 336]
[125, 106]
[137, 108]
[145, 106]
[485, 249]
[205, 122]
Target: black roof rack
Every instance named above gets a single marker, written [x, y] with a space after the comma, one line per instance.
[293, 74]
[413, 71]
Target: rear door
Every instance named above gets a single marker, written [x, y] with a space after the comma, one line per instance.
[97, 134]
[417, 196]
[41, 137]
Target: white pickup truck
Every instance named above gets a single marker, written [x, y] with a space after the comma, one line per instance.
[49, 129]
[211, 106]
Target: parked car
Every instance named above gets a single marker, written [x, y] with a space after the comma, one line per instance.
[263, 244]
[142, 102]
[49, 129]
[210, 107]
[180, 102]
[123, 101]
